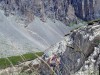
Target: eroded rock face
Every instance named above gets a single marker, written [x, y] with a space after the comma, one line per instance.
[55, 9]
[75, 56]
[84, 41]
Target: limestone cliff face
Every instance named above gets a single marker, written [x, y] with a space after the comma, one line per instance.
[86, 9]
[55, 9]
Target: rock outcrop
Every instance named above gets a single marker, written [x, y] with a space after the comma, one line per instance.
[78, 49]
[84, 43]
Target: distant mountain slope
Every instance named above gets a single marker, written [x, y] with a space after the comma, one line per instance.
[37, 35]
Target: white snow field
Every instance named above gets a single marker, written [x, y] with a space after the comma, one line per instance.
[15, 39]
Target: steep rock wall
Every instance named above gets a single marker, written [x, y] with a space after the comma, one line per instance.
[55, 9]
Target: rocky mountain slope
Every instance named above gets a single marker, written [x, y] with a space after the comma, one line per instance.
[42, 25]
[26, 27]
[41, 22]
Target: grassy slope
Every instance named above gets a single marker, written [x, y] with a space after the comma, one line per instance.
[6, 62]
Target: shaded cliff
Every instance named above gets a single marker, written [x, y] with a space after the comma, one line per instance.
[86, 9]
[55, 9]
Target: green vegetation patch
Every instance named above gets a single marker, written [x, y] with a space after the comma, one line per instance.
[72, 24]
[14, 60]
